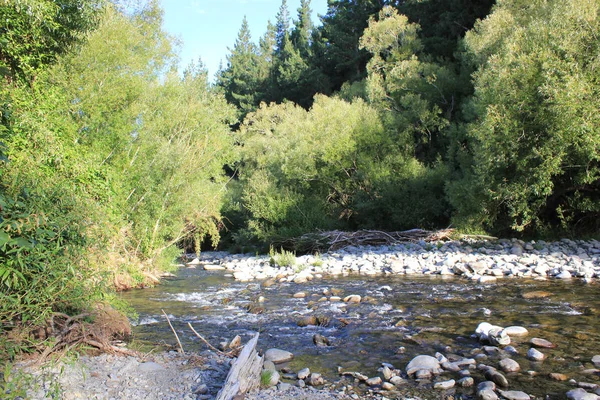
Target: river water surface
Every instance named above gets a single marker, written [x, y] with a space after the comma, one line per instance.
[398, 318]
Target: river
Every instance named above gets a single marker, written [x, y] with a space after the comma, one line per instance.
[397, 319]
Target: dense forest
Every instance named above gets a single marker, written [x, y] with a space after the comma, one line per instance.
[392, 115]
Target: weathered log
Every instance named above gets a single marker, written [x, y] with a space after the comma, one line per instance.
[244, 374]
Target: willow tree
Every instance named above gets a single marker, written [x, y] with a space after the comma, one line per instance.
[535, 142]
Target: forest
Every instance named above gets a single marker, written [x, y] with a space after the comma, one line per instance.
[389, 115]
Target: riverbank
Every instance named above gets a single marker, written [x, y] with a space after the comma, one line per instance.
[477, 261]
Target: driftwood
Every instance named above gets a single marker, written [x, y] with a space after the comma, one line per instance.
[335, 240]
[244, 374]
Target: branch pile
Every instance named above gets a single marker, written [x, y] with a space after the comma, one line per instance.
[335, 240]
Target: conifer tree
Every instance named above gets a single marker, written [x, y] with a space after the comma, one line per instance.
[241, 79]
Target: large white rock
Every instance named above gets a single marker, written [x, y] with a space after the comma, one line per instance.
[278, 356]
[423, 362]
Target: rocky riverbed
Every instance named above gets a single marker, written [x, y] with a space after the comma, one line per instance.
[408, 321]
[478, 261]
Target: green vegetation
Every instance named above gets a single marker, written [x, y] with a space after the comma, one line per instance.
[282, 258]
[424, 114]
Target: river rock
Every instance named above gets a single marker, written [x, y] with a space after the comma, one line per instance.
[496, 377]
[235, 342]
[373, 381]
[269, 366]
[387, 386]
[320, 340]
[397, 380]
[487, 394]
[516, 331]
[564, 275]
[542, 343]
[387, 373]
[581, 394]
[509, 365]
[596, 361]
[498, 337]
[316, 379]
[278, 356]
[213, 267]
[535, 355]
[309, 320]
[299, 295]
[536, 294]
[303, 373]
[271, 378]
[353, 298]
[423, 362]
[444, 385]
[466, 381]
[486, 385]
[514, 395]
[555, 376]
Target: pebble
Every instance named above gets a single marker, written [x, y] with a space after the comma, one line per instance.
[467, 381]
[596, 361]
[509, 365]
[444, 385]
[516, 331]
[558, 376]
[303, 373]
[542, 343]
[374, 381]
[535, 355]
[514, 395]
[581, 394]
[387, 386]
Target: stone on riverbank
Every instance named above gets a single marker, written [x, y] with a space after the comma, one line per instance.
[278, 356]
[535, 355]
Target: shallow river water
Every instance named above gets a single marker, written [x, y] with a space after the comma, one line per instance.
[422, 315]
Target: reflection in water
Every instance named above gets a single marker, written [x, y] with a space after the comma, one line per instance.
[422, 315]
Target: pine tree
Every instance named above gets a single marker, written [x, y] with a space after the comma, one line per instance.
[282, 26]
[301, 34]
[242, 79]
[342, 59]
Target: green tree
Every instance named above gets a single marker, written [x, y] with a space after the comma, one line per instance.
[337, 43]
[35, 32]
[303, 28]
[243, 79]
[534, 142]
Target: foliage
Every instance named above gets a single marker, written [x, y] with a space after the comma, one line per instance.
[534, 142]
[109, 160]
[282, 258]
[34, 32]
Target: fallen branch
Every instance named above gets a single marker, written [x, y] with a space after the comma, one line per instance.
[175, 333]
[210, 346]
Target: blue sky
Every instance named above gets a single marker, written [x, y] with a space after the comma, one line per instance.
[208, 27]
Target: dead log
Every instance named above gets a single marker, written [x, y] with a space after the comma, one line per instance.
[244, 374]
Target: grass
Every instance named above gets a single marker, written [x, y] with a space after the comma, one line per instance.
[282, 258]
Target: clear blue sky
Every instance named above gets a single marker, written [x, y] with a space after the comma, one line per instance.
[208, 27]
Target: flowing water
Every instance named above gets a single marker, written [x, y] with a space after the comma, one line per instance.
[422, 315]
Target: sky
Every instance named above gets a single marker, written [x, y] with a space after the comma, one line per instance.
[208, 27]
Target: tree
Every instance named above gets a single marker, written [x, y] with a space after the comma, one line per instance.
[282, 27]
[35, 32]
[406, 85]
[244, 76]
[534, 141]
[341, 58]
[302, 32]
